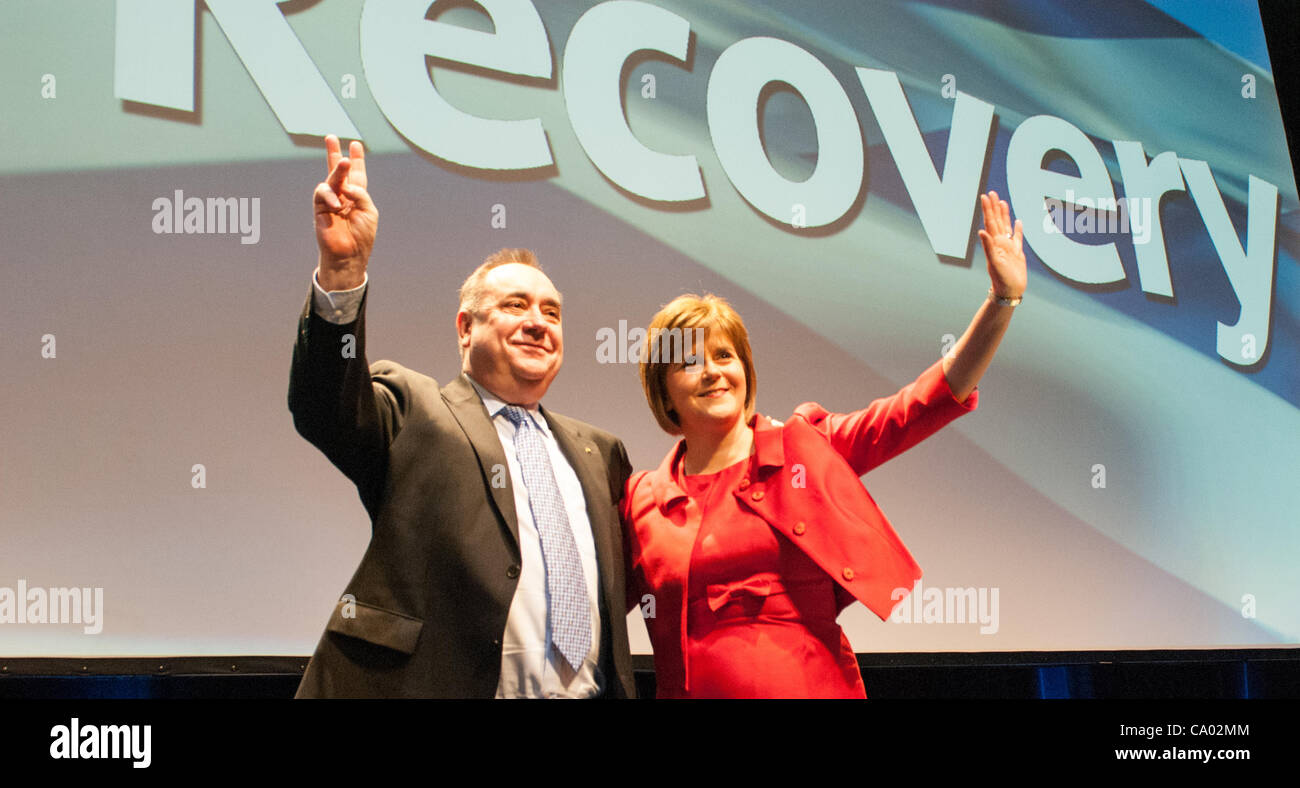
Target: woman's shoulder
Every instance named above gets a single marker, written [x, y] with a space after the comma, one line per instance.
[636, 481]
[811, 412]
[638, 492]
[807, 413]
[644, 488]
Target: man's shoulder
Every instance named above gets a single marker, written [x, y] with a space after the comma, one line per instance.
[391, 370]
[408, 387]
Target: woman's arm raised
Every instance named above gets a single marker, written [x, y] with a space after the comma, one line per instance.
[1003, 247]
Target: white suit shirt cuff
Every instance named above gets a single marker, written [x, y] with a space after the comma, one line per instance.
[337, 306]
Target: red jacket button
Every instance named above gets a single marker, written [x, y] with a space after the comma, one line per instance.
[744, 484]
[758, 495]
[799, 528]
[848, 573]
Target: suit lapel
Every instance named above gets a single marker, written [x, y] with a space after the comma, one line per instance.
[468, 409]
[584, 456]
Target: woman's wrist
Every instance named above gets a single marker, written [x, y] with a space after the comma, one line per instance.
[1005, 299]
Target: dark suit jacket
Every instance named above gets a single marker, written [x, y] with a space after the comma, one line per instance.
[435, 585]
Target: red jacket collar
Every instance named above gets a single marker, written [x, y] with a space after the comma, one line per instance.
[768, 452]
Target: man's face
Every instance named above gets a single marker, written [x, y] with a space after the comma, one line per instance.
[515, 345]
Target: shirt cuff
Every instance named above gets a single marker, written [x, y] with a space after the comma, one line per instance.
[936, 381]
[338, 306]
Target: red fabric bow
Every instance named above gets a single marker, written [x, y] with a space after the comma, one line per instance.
[760, 585]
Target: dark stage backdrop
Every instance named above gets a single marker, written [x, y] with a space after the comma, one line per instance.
[1128, 481]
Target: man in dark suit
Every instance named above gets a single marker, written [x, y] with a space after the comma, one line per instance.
[495, 564]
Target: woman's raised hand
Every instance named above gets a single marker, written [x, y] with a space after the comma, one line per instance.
[1003, 247]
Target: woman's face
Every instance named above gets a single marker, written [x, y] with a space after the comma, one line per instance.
[708, 391]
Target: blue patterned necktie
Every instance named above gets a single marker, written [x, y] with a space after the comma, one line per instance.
[566, 588]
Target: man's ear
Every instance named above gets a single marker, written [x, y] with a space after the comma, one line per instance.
[463, 322]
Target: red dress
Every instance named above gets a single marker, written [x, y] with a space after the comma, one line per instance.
[761, 614]
[740, 580]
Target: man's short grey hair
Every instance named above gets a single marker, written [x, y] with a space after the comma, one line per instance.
[471, 293]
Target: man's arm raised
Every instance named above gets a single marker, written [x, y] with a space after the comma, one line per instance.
[336, 404]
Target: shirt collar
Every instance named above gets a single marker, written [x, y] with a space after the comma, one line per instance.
[769, 448]
[495, 405]
[768, 452]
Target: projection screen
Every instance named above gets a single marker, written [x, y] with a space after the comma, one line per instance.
[1128, 481]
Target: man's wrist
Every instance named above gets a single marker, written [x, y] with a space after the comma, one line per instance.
[337, 306]
[334, 281]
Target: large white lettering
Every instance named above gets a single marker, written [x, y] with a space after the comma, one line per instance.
[1148, 183]
[600, 43]
[738, 78]
[154, 64]
[1029, 185]
[154, 61]
[1250, 270]
[395, 37]
[940, 202]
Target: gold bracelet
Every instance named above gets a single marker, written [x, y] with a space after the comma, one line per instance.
[1003, 300]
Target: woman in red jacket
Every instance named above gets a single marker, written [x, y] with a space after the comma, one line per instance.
[753, 535]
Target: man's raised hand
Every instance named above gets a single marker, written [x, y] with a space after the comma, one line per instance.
[346, 218]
